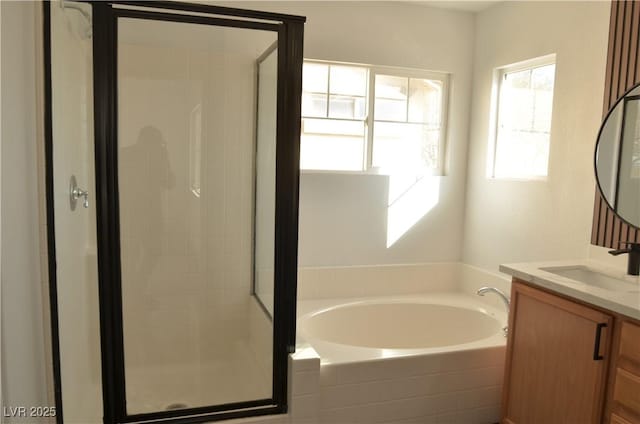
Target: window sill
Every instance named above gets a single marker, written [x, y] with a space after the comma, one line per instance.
[520, 179]
[372, 171]
[337, 172]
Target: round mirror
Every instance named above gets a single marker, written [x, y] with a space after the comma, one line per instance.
[617, 159]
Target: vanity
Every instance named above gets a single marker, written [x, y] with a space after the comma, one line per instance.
[573, 352]
[573, 348]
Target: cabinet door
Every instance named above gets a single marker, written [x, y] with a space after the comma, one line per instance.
[625, 397]
[556, 362]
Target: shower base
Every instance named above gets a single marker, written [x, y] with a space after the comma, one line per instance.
[235, 376]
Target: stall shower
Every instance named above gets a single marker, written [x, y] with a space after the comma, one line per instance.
[173, 232]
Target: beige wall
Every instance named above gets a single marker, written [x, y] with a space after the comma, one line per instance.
[511, 221]
[24, 362]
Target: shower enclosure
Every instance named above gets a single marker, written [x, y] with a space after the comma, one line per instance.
[172, 198]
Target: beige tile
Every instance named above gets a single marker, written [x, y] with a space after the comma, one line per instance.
[305, 382]
[305, 406]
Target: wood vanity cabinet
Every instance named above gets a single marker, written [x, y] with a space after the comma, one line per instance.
[569, 362]
[623, 394]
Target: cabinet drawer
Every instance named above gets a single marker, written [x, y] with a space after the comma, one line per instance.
[626, 392]
[629, 353]
[616, 419]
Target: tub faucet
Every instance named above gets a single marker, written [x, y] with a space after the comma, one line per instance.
[481, 291]
[633, 249]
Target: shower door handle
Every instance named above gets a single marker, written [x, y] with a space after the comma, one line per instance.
[75, 193]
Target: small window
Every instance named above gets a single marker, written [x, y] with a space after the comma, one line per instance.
[523, 124]
[362, 118]
[333, 117]
[407, 123]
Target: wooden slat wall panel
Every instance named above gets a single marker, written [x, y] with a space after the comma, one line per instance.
[623, 72]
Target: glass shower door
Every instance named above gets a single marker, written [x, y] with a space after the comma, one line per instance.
[191, 204]
[265, 179]
[186, 116]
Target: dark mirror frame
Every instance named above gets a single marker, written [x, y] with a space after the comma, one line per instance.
[621, 100]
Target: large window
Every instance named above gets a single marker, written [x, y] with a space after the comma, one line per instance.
[361, 118]
[523, 130]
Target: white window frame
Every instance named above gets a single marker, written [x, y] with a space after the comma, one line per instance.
[498, 80]
[368, 167]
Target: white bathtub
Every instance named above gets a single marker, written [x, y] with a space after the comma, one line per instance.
[344, 330]
[436, 357]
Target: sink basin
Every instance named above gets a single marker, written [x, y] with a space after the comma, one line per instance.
[584, 275]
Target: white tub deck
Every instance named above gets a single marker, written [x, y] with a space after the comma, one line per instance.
[459, 382]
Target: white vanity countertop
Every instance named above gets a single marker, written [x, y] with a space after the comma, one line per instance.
[623, 302]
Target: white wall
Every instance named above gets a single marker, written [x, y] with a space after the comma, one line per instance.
[510, 221]
[24, 380]
[343, 218]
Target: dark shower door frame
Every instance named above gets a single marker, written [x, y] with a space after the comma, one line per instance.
[290, 30]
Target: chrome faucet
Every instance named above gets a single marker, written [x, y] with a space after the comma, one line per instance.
[481, 291]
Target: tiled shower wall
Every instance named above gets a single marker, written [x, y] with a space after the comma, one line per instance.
[191, 279]
[75, 230]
